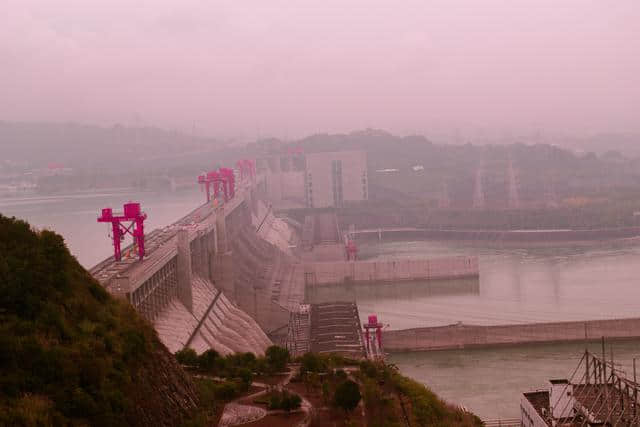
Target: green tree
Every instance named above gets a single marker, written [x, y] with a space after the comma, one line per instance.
[326, 392]
[277, 358]
[207, 360]
[347, 396]
[291, 401]
[246, 377]
[187, 356]
[312, 362]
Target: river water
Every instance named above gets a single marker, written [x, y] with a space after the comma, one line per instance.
[74, 216]
[516, 285]
[489, 381]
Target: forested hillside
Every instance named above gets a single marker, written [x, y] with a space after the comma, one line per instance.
[69, 353]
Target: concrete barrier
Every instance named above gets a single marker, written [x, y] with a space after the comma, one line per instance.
[463, 336]
[339, 272]
[504, 236]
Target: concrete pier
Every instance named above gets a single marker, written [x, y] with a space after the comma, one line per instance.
[464, 336]
[536, 237]
[340, 272]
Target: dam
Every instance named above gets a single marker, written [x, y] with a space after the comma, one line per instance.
[246, 268]
[203, 276]
[232, 276]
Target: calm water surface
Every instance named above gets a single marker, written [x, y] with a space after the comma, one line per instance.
[489, 381]
[515, 286]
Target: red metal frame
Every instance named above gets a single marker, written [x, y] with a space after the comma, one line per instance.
[216, 178]
[229, 176]
[247, 169]
[352, 250]
[132, 215]
[373, 324]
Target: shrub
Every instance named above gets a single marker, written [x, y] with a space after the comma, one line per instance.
[340, 374]
[246, 377]
[312, 362]
[347, 396]
[226, 391]
[187, 356]
[284, 400]
[277, 358]
[291, 401]
[207, 360]
[275, 401]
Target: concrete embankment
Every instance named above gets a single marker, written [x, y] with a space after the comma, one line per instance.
[501, 236]
[338, 272]
[465, 336]
[213, 323]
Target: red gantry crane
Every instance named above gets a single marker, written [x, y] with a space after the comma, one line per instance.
[373, 343]
[352, 250]
[131, 222]
[218, 182]
[247, 169]
[229, 177]
[222, 179]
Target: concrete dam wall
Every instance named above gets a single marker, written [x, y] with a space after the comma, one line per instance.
[194, 284]
[261, 263]
[339, 272]
[463, 336]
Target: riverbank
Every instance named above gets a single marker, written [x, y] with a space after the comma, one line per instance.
[341, 272]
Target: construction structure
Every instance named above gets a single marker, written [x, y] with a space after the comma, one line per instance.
[335, 328]
[596, 394]
[190, 287]
[372, 335]
[316, 180]
[213, 178]
[130, 221]
[298, 337]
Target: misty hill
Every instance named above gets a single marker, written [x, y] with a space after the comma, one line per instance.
[116, 148]
[543, 175]
[69, 353]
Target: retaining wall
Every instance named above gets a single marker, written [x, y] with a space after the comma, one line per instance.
[520, 236]
[339, 272]
[463, 336]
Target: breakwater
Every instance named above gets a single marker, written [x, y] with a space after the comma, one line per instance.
[460, 335]
[340, 272]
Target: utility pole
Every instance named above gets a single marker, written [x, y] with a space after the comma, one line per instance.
[635, 390]
[604, 373]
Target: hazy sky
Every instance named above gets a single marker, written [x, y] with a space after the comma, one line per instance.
[245, 67]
